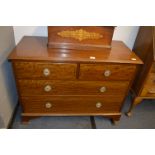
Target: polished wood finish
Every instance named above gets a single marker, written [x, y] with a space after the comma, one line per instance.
[149, 87]
[97, 71]
[80, 37]
[35, 49]
[36, 87]
[72, 104]
[35, 70]
[74, 82]
[144, 84]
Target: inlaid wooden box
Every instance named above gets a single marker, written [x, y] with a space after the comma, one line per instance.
[80, 37]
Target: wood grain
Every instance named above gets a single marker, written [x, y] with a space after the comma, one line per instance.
[34, 70]
[35, 49]
[75, 78]
[143, 47]
[80, 37]
[96, 71]
[36, 87]
[144, 84]
[72, 104]
[149, 87]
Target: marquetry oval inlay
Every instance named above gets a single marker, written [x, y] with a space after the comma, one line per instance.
[80, 34]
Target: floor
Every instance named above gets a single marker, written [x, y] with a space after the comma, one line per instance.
[143, 118]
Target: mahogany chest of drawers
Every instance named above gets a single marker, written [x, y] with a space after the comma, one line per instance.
[144, 84]
[60, 82]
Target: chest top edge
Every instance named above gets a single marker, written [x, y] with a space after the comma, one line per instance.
[35, 49]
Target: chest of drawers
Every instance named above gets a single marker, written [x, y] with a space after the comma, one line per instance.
[144, 84]
[59, 82]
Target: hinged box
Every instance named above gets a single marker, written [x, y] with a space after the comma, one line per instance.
[80, 37]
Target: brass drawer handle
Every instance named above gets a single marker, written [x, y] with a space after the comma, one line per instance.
[47, 88]
[48, 105]
[46, 72]
[98, 105]
[103, 89]
[107, 73]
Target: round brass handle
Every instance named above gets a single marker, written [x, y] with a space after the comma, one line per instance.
[46, 72]
[47, 88]
[103, 89]
[48, 105]
[98, 105]
[107, 73]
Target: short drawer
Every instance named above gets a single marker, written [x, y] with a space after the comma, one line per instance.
[71, 104]
[149, 87]
[106, 72]
[43, 70]
[46, 87]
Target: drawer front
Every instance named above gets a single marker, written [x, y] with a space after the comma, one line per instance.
[71, 104]
[45, 87]
[106, 72]
[33, 70]
[149, 87]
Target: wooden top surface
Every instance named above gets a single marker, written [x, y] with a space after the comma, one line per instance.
[35, 48]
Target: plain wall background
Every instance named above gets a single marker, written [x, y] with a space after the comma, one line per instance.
[127, 34]
[8, 94]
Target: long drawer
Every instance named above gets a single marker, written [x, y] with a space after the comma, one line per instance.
[71, 104]
[44, 70]
[46, 87]
[106, 72]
